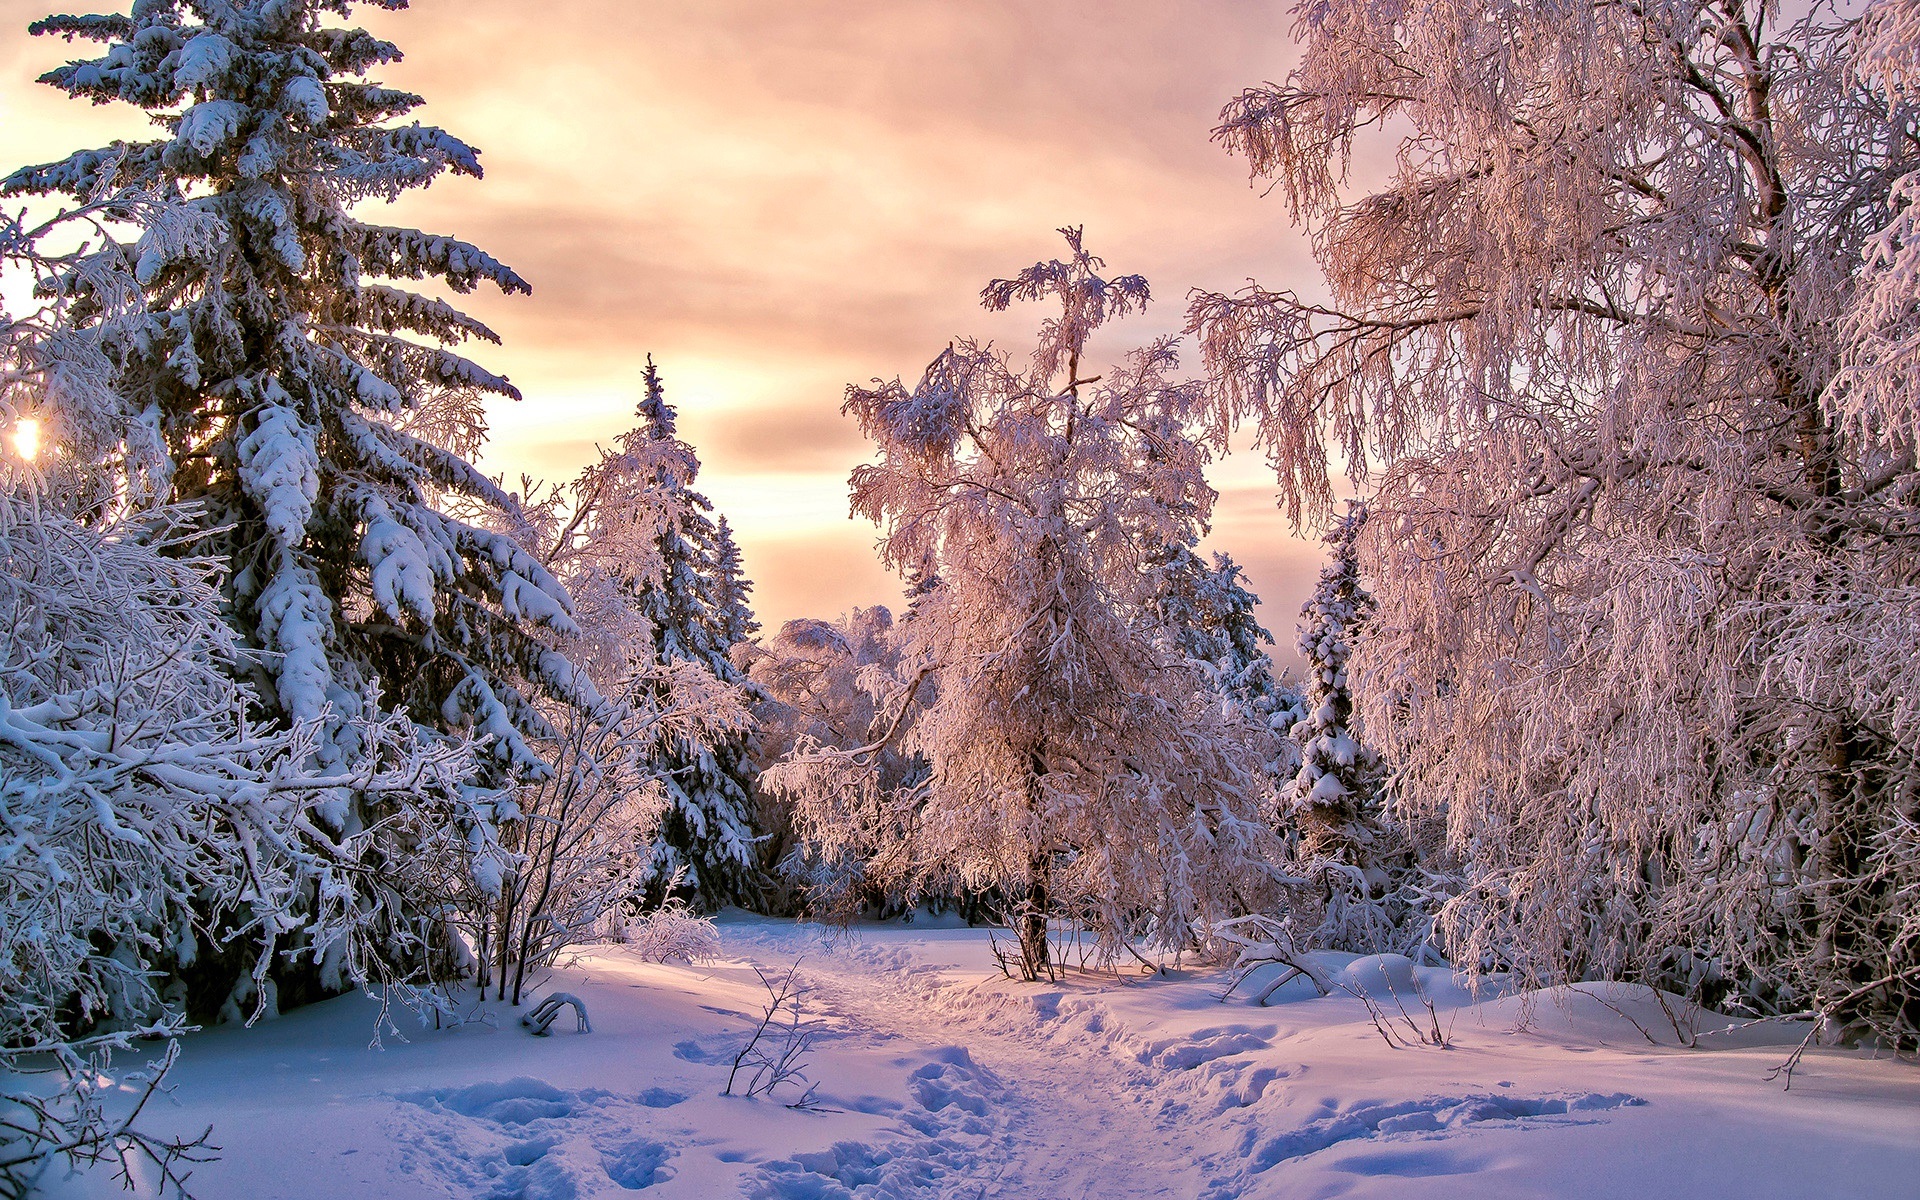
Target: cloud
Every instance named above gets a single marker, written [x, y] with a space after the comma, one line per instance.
[777, 199]
[816, 574]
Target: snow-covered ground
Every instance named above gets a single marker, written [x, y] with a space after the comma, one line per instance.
[938, 1078]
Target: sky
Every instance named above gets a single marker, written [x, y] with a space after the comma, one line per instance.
[776, 200]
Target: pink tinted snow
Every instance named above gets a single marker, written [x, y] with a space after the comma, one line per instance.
[937, 1078]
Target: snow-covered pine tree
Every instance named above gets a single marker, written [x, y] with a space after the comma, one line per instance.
[695, 604]
[1208, 612]
[1332, 810]
[277, 373]
[732, 612]
[1334, 798]
[585, 845]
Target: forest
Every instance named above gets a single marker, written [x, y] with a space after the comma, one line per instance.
[1605, 408]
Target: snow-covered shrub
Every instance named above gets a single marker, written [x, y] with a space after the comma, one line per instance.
[578, 838]
[130, 784]
[672, 932]
[146, 820]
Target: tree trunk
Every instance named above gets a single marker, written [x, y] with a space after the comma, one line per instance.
[1036, 955]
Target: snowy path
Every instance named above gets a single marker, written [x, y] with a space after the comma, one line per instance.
[1093, 1090]
[1047, 1090]
[999, 1110]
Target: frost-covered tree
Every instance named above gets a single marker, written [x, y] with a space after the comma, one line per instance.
[1334, 801]
[1071, 763]
[146, 817]
[733, 614]
[279, 374]
[1624, 326]
[583, 835]
[1879, 384]
[693, 606]
[826, 684]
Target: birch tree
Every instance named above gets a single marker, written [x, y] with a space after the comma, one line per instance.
[1642, 548]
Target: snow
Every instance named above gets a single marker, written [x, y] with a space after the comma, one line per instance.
[281, 471]
[936, 1077]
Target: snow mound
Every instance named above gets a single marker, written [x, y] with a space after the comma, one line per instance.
[516, 1101]
[1619, 1014]
[1204, 1046]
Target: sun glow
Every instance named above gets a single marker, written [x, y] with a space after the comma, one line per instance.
[26, 439]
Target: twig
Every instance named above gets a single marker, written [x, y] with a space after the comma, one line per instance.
[784, 1064]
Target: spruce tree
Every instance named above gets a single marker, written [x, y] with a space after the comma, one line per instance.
[282, 368]
[731, 589]
[1334, 799]
[1208, 610]
[696, 607]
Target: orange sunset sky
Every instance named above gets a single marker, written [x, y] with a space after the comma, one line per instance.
[776, 199]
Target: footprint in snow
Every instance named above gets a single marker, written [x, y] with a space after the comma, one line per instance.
[525, 1139]
[637, 1164]
[694, 1052]
[1430, 1115]
[952, 1141]
[658, 1097]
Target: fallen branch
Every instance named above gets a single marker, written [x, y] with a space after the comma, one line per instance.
[543, 1014]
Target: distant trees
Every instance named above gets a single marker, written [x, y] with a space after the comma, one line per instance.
[1207, 613]
[1626, 327]
[1070, 761]
[827, 685]
[582, 836]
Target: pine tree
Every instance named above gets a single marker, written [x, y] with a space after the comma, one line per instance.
[696, 607]
[731, 589]
[281, 372]
[1335, 796]
[1209, 613]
